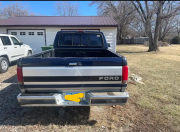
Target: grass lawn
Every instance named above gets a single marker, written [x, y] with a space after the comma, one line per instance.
[152, 107]
[158, 101]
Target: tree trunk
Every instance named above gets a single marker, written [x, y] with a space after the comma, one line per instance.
[158, 20]
[151, 43]
[120, 34]
[149, 33]
[160, 33]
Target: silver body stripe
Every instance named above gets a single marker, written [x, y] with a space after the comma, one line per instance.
[73, 71]
[67, 83]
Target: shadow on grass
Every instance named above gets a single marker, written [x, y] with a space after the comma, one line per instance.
[12, 114]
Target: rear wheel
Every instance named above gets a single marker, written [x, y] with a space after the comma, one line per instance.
[4, 64]
[29, 53]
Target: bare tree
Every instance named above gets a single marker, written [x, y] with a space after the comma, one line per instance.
[167, 26]
[177, 25]
[137, 27]
[121, 11]
[168, 23]
[1, 16]
[151, 13]
[170, 28]
[64, 8]
[16, 9]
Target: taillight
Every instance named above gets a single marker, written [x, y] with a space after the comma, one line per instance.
[20, 75]
[124, 74]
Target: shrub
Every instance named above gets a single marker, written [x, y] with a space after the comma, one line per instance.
[176, 40]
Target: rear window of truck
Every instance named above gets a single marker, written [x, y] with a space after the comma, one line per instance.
[80, 40]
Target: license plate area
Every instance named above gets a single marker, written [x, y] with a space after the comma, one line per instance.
[74, 96]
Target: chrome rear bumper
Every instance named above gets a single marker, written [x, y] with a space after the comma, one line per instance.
[103, 98]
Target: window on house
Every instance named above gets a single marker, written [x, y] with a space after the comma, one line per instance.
[13, 33]
[22, 33]
[31, 33]
[39, 33]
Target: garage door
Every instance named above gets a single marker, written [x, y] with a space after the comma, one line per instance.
[34, 38]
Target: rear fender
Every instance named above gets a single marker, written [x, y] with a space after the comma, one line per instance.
[27, 49]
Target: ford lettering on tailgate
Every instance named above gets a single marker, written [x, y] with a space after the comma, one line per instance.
[116, 78]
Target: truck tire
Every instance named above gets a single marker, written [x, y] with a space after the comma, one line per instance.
[4, 64]
[29, 53]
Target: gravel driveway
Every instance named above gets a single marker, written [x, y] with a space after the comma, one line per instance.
[16, 118]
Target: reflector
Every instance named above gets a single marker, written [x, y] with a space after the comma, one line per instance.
[125, 74]
[19, 75]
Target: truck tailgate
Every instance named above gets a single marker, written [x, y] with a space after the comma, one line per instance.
[61, 75]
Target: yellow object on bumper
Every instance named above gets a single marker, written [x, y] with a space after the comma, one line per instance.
[74, 97]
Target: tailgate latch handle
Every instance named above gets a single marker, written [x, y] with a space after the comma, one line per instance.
[72, 64]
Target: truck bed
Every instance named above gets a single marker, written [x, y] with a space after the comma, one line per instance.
[83, 57]
[77, 53]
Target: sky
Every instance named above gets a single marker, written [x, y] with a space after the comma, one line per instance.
[47, 7]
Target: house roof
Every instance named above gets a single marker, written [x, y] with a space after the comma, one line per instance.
[64, 21]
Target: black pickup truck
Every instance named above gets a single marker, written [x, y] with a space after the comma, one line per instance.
[78, 71]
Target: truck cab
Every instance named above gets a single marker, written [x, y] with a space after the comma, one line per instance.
[11, 49]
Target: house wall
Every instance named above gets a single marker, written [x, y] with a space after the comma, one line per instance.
[2, 30]
[109, 32]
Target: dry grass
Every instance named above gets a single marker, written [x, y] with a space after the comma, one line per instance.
[161, 74]
[154, 106]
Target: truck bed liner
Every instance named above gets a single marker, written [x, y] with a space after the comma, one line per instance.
[83, 57]
[76, 53]
[84, 53]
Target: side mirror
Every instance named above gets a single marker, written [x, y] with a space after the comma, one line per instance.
[108, 44]
[21, 43]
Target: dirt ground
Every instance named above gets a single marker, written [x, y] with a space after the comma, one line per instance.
[145, 111]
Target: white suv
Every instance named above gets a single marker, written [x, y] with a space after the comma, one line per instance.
[11, 49]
